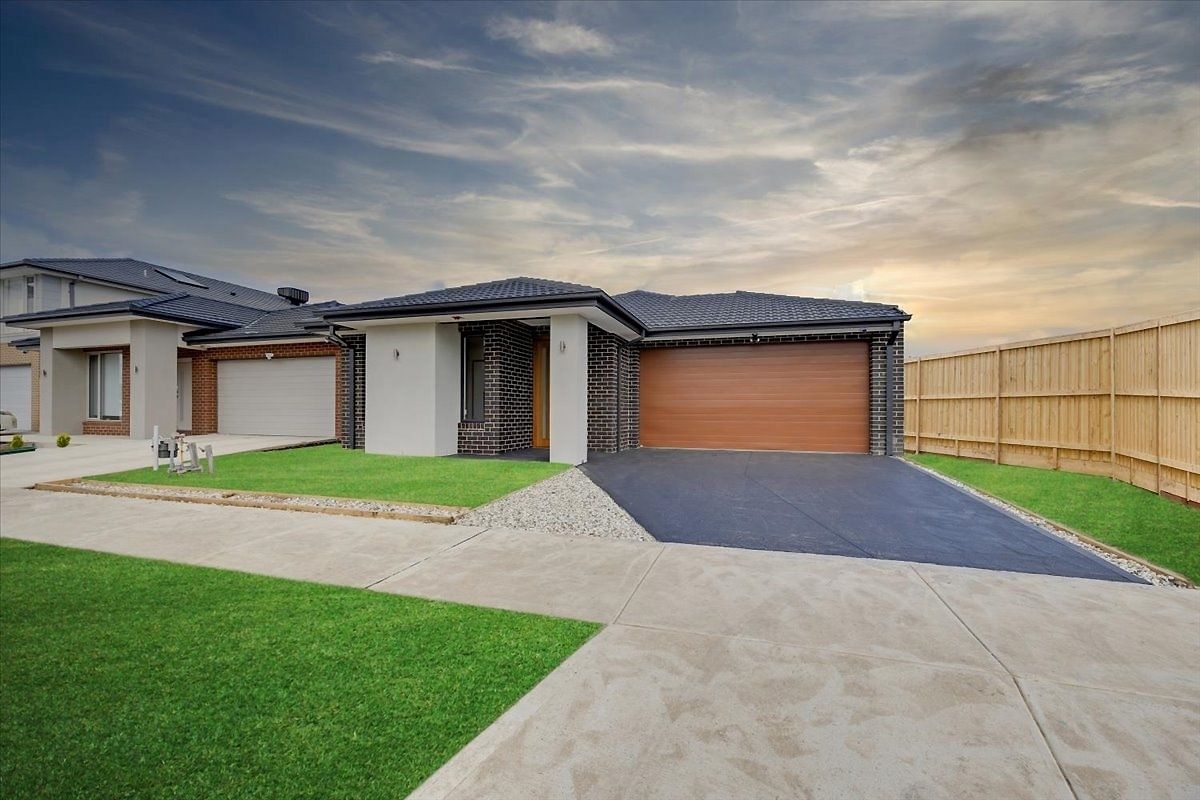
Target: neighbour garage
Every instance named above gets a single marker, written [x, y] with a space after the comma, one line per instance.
[282, 396]
[811, 396]
[16, 393]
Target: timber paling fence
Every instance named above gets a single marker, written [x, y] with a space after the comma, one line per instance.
[1122, 402]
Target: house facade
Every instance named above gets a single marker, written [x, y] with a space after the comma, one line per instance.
[482, 369]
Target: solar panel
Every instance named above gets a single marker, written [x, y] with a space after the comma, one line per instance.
[179, 277]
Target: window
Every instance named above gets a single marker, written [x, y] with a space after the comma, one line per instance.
[104, 386]
[473, 378]
[29, 283]
[51, 292]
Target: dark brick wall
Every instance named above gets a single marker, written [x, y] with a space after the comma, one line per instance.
[353, 386]
[878, 376]
[508, 389]
[612, 392]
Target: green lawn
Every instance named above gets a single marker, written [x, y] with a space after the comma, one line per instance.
[337, 472]
[1139, 522]
[122, 677]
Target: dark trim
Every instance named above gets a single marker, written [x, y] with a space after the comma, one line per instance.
[83, 312]
[308, 333]
[889, 366]
[849, 324]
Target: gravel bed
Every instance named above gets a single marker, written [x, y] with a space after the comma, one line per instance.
[1133, 567]
[301, 501]
[568, 504]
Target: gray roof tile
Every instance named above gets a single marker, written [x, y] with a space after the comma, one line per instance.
[144, 275]
[506, 289]
[272, 325]
[178, 307]
[745, 309]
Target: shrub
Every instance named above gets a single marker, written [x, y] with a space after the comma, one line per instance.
[17, 441]
[63, 439]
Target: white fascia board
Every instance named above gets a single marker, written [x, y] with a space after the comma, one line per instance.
[767, 332]
[592, 314]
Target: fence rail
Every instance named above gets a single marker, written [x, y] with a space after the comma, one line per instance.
[1122, 402]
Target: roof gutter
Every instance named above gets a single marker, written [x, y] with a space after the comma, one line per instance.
[773, 329]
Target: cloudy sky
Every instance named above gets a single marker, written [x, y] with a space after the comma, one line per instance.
[999, 170]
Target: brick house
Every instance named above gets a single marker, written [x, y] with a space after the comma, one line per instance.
[482, 369]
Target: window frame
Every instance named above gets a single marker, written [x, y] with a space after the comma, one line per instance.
[467, 381]
[100, 396]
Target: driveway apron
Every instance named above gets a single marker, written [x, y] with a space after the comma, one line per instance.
[832, 504]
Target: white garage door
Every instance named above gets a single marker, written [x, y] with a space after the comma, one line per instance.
[282, 396]
[15, 394]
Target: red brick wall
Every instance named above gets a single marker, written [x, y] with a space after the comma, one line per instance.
[204, 376]
[113, 427]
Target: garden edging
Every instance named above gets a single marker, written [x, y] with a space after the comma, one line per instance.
[318, 504]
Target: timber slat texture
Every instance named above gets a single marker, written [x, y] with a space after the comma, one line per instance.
[813, 396]
[1122, 402]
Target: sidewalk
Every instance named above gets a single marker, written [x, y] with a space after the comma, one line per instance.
[734, 673]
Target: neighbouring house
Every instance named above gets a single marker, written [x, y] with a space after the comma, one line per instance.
[124, 346]
[481, 369]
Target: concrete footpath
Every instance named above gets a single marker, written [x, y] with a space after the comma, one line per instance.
[729, 673]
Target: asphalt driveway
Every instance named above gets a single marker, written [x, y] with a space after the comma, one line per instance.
[848, 505]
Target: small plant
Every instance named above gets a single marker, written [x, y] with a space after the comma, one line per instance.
[17, 441]
[63, 439]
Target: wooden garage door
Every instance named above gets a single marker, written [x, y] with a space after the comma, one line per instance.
[812, 396]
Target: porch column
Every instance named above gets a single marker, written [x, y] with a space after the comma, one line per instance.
[568, 389]
[414, 377]
[153, 373]
[64, 389]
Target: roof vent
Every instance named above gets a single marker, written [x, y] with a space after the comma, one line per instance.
[296, 297]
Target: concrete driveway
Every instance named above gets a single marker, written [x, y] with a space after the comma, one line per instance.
[726, 672]
[848, 505]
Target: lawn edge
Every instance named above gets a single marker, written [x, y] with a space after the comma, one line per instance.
[1169, 574]
[441, 515]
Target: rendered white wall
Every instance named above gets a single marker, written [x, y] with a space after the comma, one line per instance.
[568, 389]
[414, 374]
[153, 372]
[97, 334]
[64, 387]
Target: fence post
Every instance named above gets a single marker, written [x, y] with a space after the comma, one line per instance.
[1158, 407]
[997, 459]
[919, 390]
[1112, 403]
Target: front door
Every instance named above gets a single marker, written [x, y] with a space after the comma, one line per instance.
[541, 392]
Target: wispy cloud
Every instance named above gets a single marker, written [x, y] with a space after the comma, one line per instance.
[947, 157]
[551, 37]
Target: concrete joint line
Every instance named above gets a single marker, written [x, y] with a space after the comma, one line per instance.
[641, 580]
[420, 561]
[799, 510]
[733, 637]
[1012, 677]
